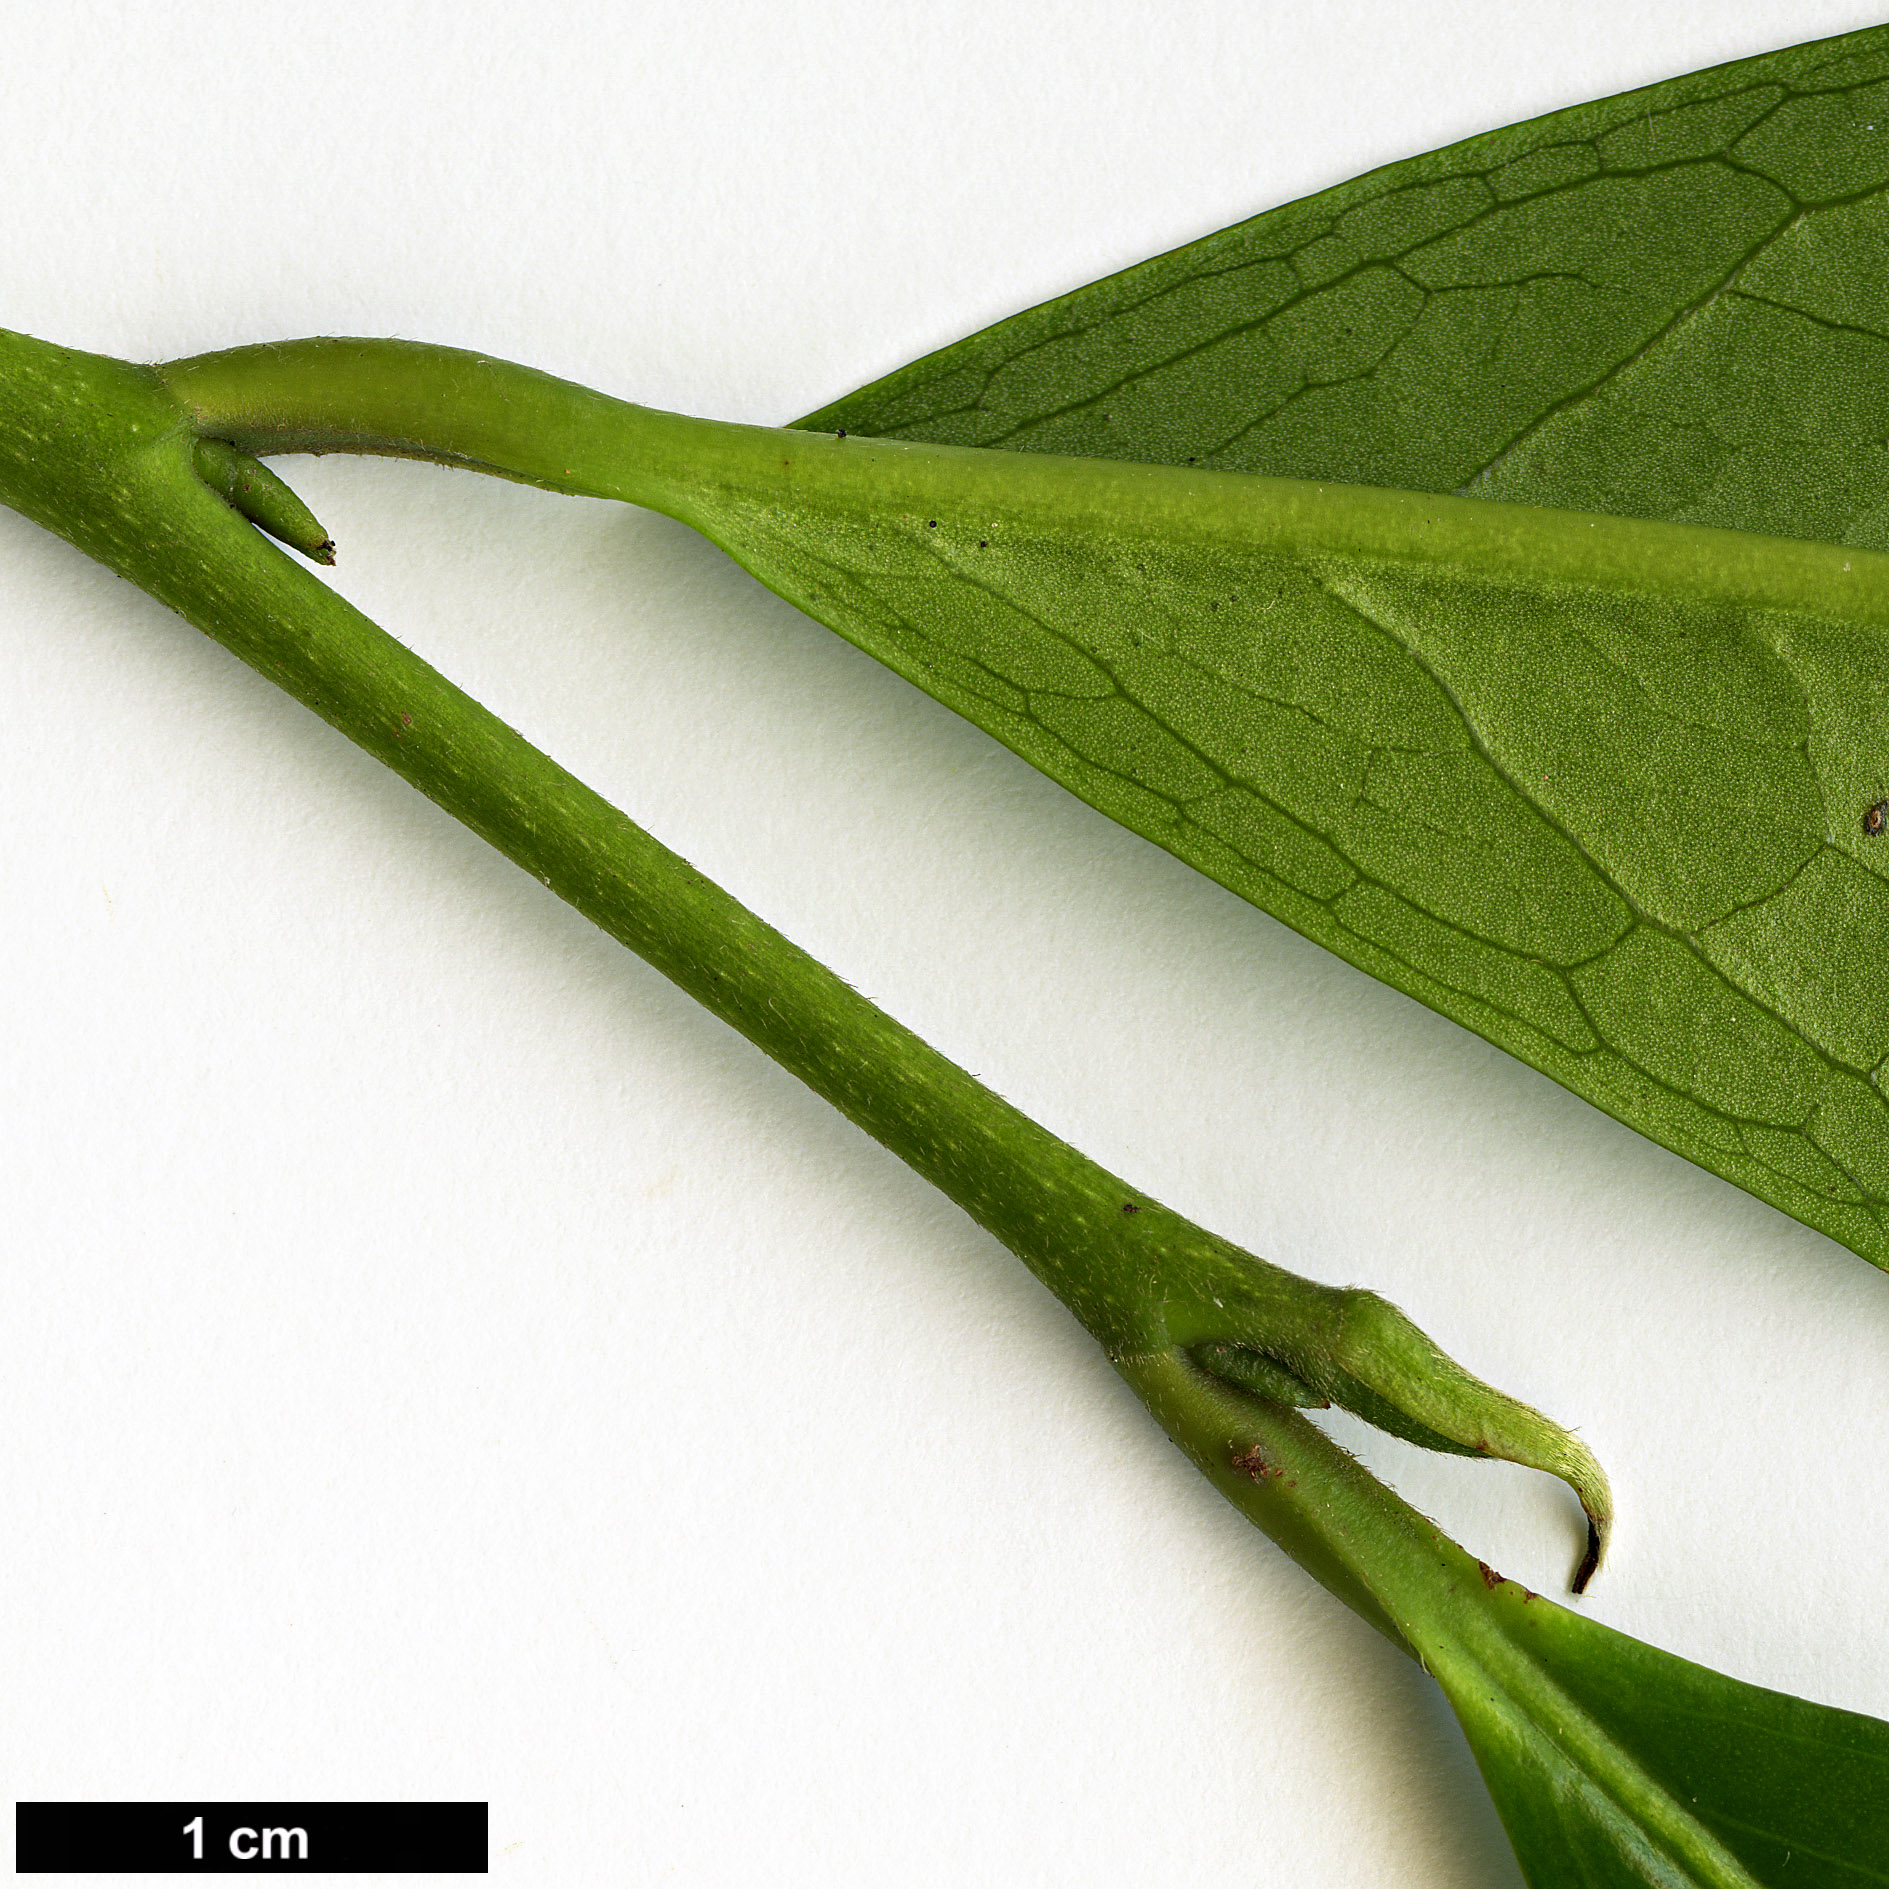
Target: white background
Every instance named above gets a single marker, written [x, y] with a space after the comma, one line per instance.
[438, 1361]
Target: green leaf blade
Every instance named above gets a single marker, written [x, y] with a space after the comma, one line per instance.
[1636, 859]
[1599, 788]
[1792, 1791]
[1600, 794]
[1544, 313]
[1613, 1765]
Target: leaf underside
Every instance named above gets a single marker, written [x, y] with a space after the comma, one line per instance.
[1630, 846]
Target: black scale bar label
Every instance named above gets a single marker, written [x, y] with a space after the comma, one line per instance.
[222, 1839]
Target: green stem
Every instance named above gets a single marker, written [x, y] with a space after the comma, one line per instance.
[104, 454]
[414, 400]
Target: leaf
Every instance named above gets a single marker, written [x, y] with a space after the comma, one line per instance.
[1670, 304]
[1603, 1753]
[1613, 1765]
[1794, 1791]
[1604, 788]
[1600, 787]
[1632, 848]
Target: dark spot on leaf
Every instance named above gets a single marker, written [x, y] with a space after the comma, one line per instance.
[841, 434]
[983, 543]
[1876, 819]
[931, 524]
[1490, 1578]
[1129, 1206]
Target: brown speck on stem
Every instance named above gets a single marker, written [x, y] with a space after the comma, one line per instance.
[1254, 1464]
